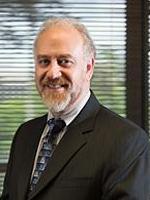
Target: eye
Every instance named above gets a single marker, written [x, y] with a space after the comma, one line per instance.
[65, 62]
[44, 62]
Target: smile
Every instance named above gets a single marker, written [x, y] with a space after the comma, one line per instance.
[54, 86]
[57, 85]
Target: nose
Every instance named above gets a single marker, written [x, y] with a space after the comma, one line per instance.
[54, 70]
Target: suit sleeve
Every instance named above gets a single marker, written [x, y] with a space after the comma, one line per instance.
[7, 180]
[131, 180]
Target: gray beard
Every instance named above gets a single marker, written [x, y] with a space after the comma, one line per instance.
[56, 106]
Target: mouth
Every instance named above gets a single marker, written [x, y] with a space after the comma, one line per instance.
[57, 87]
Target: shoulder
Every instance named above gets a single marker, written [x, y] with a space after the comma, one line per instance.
[120, 137]
[29, 127]
[34, 121]
[113, 127]
[116, 123]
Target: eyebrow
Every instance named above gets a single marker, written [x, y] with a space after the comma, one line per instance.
[41, 56]
[59, 56]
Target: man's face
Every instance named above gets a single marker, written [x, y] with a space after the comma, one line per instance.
[62, 72]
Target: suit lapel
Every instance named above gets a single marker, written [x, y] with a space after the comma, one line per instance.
[60, 158]
[24, 174]
[72, 142]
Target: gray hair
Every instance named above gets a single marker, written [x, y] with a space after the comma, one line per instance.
[87, 40]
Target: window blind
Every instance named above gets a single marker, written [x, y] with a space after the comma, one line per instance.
[19, 22]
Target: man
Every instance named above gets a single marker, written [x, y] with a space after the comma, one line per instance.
[97, 154]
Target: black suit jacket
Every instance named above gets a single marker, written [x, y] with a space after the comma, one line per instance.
[101, 157]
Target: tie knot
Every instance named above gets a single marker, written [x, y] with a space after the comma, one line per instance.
[56, 125]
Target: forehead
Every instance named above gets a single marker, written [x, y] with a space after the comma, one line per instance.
[59, 39]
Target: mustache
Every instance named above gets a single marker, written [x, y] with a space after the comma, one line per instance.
[57, 81]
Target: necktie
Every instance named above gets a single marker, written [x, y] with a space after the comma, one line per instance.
[47, 149]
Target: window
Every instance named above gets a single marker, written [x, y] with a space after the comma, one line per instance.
[19, 21]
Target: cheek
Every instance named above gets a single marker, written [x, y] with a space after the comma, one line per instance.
[37, 71]
[39, 74]
[78, 81]
[37, 78]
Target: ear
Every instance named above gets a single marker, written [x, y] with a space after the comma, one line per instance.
[90, 68]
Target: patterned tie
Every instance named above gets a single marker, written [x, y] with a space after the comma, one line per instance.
[48, 147]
